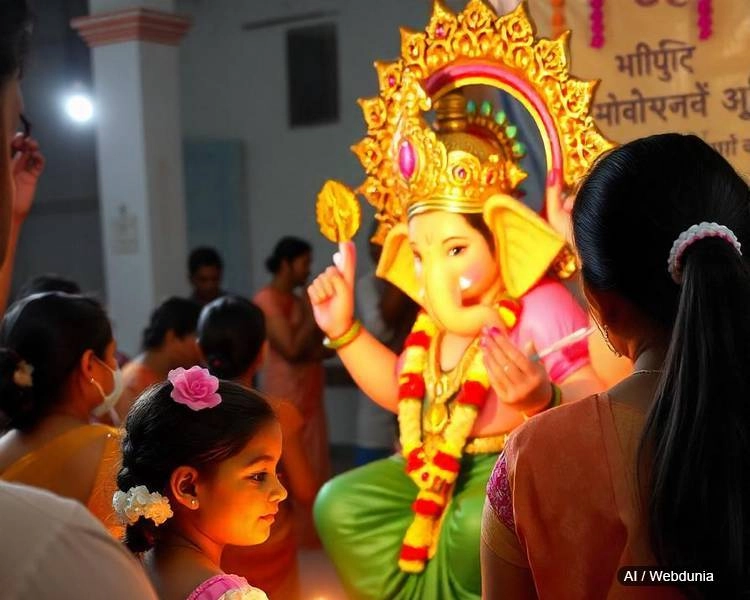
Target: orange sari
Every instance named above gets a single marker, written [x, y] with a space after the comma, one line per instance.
[563, 502]
[48, 467]
[301, 383]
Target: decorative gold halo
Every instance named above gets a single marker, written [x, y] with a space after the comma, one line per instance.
[476, 46]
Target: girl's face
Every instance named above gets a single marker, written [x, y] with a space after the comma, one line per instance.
[238, 501]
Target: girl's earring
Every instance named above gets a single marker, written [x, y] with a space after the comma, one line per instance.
[194, 502]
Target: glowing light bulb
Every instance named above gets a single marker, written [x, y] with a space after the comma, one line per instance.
[79, 108]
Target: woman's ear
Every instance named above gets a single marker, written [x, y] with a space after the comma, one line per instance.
[183, 486]
[86, 365]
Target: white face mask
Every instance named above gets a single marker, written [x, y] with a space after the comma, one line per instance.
[109, 400]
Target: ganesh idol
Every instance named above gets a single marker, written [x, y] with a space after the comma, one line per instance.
[443, 173]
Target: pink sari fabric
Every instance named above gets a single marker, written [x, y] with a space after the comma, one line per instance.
[548, 313]
[216, 587]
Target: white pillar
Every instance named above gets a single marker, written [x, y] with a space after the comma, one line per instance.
[139, 157]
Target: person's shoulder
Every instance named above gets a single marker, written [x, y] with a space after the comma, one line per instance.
[18, 502]
[96, 442]
[552, 428]
[289, 416]
[263, 293]
[227, 587]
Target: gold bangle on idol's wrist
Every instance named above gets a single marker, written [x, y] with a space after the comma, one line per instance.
[345, 338]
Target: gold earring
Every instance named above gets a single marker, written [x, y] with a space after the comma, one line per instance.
[193, 502]
[611, 347]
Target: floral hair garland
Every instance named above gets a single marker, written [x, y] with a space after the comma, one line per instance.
[22, 376]
[138, 502]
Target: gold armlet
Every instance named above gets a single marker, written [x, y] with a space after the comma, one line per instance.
[345, 338]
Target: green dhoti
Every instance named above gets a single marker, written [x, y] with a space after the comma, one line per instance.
[362, 517]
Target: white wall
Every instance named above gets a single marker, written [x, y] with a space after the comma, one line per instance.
[234, 86]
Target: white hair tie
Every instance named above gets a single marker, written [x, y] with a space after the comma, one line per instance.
[138, 502]
[692, 235]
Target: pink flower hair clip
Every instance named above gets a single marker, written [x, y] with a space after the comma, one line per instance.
[196, 388]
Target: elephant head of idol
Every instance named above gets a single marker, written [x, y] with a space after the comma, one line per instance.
[466, 242]
[455, 236]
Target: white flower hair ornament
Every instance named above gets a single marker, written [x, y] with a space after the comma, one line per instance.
[692, 235]
[138, 502]
[22, 376]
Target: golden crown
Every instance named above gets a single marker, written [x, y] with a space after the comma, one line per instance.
[457, 166]
[466, 159]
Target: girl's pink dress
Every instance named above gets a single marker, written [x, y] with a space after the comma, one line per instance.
[227, 587]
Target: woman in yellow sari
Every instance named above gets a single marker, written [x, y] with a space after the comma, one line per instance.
[57, 370]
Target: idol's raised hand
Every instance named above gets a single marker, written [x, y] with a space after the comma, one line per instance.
[332, 292]
[516, 379]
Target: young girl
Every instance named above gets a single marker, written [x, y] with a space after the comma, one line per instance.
[198, 473]
[232, 337]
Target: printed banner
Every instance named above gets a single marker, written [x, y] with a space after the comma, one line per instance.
[656, 74]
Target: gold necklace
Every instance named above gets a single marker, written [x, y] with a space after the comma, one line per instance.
[442, 386]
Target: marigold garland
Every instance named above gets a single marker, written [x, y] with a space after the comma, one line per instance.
[435, 470]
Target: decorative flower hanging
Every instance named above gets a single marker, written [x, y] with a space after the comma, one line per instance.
[597, 23]
[705, 19]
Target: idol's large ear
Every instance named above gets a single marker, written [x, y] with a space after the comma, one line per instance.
[526, 246]
[396, 263]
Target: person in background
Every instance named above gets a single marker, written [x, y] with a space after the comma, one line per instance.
[293, 369]
[21, 162]
[232, 338]
[169, 342]
[654, 471]
[57, 372]
[49, 282]
[205, 270]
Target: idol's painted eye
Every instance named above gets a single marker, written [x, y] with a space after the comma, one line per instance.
[456, 250]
